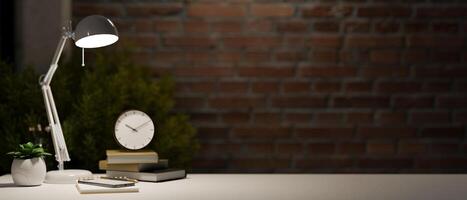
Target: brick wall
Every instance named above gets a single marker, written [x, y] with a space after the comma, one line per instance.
[310, 86]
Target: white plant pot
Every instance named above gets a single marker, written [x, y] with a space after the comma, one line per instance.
[28, 172]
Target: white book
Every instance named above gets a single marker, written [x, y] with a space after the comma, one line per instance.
[93, 189]
[154, 176]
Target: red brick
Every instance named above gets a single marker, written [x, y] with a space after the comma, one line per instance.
[330, 41]
[212, 132]
[358, 86]
[259, 149]
[385, 132]
[265, 87]
[380, 148]
[385, 72]
[328, 118]
[236, 118]
[227, 26]
[445, 27]
[460, 117]
[152, 9]
[398, 87]
[435, 41]
[233, 87]
[251, 41]
[385, 163]
[203, 117]
[360, 117]
[385, 56]
[446, 163]
[195, 87]
[324, 163]
[203, 71]
[198, 56]
[272, 10]
[430, 117]
[141, 40]
[443, 132]
[326, 26]
[258, 25]
[324, 56]
[384, 11]
[444, 148]
[311, 71]
[196, 26]
[412, 147]
[298, 118]
[296, 87]
[324, 132]
[189, 102]
[452, 102]
[188, 41]
[361, 102]
[163, 25]
[267, 118]
[289, 149]
[210, 163]
[229, 56]
[387, 27]
[326, 86]
[440, 72]
[373, 41]
[326, 11]
[356, 27]
[289, 56]
[321, 148]
[261, 164]
[107, 9]
[269, 133]
[351, 148]
[266, 71]
[236, 102]
[257, 56]
[442, 12]
[292, 26]
[416, 56]
[215, 10]
[391, 118]
[298, 102]
[416, 27]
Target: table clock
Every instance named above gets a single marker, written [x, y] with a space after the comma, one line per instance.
[134, 130]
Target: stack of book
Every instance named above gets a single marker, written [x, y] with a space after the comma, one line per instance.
[140, 165]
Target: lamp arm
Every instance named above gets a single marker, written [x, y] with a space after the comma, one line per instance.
[61, 152]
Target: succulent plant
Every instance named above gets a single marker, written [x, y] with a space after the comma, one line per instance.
[28, 151]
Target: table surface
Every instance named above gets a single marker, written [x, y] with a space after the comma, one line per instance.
[265, 186]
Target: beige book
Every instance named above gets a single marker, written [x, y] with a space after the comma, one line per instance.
[125, 157]
[134, 167]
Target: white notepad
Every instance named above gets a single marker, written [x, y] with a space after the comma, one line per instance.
[92, 189]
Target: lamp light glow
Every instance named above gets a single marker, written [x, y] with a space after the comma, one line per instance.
[96, 41]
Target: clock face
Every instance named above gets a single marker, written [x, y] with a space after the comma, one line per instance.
[134, 129]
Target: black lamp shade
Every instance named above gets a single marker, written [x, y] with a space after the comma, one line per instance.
[95, 31]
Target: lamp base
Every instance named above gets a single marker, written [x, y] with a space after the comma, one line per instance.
[67, 176]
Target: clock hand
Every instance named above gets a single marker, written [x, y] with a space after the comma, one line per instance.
[131, 128]
[140, 126]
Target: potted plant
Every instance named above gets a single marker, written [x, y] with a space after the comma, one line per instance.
[28, 167]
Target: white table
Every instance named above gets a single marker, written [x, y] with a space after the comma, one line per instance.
[264, 187]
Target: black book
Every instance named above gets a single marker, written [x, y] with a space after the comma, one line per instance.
[152, 176]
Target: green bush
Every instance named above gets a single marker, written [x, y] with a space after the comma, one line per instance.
[89, 101]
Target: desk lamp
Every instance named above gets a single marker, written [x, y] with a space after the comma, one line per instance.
[91, 32]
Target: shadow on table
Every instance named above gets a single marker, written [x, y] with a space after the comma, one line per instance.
[7, 185]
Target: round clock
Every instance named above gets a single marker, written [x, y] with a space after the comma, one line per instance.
[134, 129]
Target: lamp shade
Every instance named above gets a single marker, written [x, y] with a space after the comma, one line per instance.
[95, 31]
